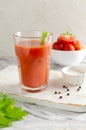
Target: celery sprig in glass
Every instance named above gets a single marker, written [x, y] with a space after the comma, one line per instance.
[43, 37]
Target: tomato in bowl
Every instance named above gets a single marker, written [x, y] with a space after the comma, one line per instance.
[67, 50]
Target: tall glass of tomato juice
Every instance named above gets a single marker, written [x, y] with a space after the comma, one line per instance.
[33, 60]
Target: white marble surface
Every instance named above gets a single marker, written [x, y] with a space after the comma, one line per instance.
[46, 118]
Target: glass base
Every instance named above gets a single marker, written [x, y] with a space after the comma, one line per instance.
[34, 90]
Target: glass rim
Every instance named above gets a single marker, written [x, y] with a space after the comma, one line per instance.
[18, 34]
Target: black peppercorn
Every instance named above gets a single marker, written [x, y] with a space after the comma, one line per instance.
[63, 86]
[55, 92]
[78, 89]
[67, 89]
[60, 97]
[68, 94]
[59, 92]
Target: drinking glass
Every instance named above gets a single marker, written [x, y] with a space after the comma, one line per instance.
[33, 58]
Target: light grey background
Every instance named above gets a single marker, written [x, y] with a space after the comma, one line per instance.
[57, 16]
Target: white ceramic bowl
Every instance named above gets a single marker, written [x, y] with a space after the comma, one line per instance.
[65, 58]
[74, 75]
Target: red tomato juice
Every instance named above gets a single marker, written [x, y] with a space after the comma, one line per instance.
[34, 63]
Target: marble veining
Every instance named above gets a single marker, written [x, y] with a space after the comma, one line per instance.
[45, 118]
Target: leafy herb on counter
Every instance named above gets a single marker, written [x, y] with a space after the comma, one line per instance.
[9, 112]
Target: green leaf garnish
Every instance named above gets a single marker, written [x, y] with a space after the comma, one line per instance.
[9, 112]
[67, 33]
[43, 38]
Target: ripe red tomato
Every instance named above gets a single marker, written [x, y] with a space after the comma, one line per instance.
[57, 46]
[67, 42]
[66, 39]
[69, 47]
[77, 45]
